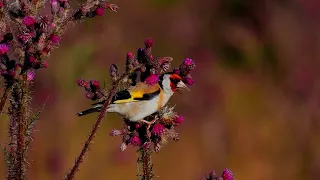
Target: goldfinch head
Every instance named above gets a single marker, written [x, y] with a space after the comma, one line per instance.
[171, 83]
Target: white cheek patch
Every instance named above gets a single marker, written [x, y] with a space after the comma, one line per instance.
[166, 84]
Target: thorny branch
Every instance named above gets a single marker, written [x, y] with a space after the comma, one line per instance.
[86, 147]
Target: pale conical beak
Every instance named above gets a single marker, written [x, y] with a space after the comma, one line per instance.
[182, 85]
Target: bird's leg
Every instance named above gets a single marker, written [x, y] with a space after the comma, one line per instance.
[149, 123]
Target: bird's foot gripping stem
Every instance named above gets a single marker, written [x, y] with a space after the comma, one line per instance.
[149, 123]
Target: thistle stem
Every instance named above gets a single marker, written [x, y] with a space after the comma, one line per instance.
[21, 129]
[85, 148]
[145, 160]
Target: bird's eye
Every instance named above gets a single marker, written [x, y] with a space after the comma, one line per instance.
[174, 81]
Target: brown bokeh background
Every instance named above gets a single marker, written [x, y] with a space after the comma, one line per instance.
[254, 107]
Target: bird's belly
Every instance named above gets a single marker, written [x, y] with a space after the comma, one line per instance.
[136, 111]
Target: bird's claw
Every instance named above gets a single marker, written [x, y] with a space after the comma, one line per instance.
[149, 123]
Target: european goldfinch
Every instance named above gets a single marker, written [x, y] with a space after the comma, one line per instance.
[142, 100]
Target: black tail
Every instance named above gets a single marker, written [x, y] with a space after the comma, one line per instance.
[88, 111]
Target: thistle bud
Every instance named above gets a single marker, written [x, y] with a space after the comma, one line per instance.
[148, 43]
[113, 70]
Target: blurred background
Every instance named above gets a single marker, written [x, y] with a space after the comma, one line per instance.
[254, 107]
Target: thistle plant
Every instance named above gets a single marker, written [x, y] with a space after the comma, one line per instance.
[27, 37]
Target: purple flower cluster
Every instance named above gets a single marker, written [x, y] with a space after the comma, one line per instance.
[93, 89]
[38, 35]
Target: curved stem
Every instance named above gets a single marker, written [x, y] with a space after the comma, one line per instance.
[85, 148]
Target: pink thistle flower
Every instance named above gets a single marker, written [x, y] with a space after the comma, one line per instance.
[188, 80]
[130, 55]
[95, 83]
[30, 75]
[178, 120]
[55, 38]
[152, 79]
[148, 43]
[116, 132]
[188, 62]
[82, 82]
[227, 174]
[135, 140]
[99, 11]
[3, 49]
[28, 21]
[1, 4]
[157, 129]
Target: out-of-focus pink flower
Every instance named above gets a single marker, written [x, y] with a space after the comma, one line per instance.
[99, 11]
[30, 75]
[178, 120]
[55, 38]
[152, 79]
[148, 43]
[1, 4]
[28, 21]
[157, 129]
[135, 140]
[227, 174]
[3, 49]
